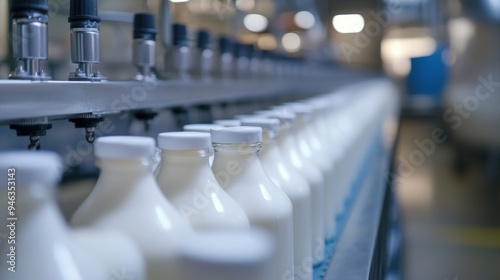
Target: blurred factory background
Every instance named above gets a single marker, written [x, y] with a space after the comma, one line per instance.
[443, 54]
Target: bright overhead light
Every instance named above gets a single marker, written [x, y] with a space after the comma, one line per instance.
[291, 42]
[350, 23]
[255, 22]
[179, 1]
[304, 19]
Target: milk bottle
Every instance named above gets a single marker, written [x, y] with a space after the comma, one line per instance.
[188, 182]
[313, 151]
[290, 152]
[329, 146]
[239, 171]
[127, 198]
[296, 188]
[221, 255]
[38, 243]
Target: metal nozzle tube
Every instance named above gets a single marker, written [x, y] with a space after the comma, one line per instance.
[29, 38]
[85, 45]
[143, 48]
[84, 39]
[144, 55]
[85, 50]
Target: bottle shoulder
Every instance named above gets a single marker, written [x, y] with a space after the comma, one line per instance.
[144, 204]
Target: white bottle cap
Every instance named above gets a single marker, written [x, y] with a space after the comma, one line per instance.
[28, 167]
[338, 99]
[237, 135]
[263, 112]
[217, 255]
[184, 140]
[228, 123]
[317, 104]
[284, 117]
[299, 108]
[124, 147]
[240, 117]
[270, 124]
[201, 127]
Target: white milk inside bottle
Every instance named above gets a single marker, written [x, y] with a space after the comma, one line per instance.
[303, 138]
[127, 198]
[287, 143]
[314, 151]
[239, 171]
[188, 182]
[329, 148]
[340, 134]
[349, 127]
[296, 188]
[220, 255]
[38, 243]
[120, 256]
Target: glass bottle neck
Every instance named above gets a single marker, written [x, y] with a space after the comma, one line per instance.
[242, 154]
[238, 149]
[128, 165]
[268, 138]
[191, 157]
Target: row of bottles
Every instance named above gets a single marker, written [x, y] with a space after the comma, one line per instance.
[263, 207]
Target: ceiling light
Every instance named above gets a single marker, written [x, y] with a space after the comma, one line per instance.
[350, 23]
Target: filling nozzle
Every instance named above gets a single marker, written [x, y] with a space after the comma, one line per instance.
[205, 54]
[181, 51]
[144, 46]
[30, 38]
[254, 60]
[225, 57]
[33, 128]
[242, 59]
[84, 24]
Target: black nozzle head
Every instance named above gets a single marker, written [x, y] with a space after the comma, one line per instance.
[144, 26]
[83, 13]
[225, 45]
[20, 8]
[203, 40]
[180, 36]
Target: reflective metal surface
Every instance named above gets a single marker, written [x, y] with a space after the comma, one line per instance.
[144, 53]
[61, 99]
[206, 61]
[225, 65]
[85, 51]
[182, 61]
[29, 45]
[29, 39]
[85, 45]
